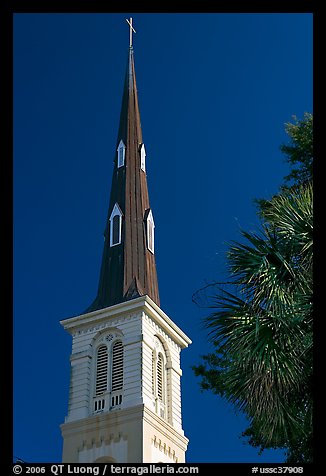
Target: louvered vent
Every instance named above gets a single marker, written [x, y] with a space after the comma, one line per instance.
[153, 373]
[160, 377]
[102, 370]
[117, 366]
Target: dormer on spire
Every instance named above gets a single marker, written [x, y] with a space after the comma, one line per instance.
[121, 153]
[142, 157]
[115, 226]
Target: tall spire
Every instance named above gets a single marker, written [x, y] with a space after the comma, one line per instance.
[128, 268]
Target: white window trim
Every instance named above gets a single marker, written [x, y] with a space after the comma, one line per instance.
[121, 153]
[143, 157]
[116, 212]
[150, 224]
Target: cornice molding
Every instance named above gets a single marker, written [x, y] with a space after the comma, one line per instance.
[126, 310]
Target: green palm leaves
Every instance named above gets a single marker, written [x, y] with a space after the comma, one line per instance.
[261, 326]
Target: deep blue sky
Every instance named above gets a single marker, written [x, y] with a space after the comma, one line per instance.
[215, 91]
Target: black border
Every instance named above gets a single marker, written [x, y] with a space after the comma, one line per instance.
[7, 10]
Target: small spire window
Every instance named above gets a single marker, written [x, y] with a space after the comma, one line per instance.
[142, 157]
[121, 153]
[150, 230]
[115, 226]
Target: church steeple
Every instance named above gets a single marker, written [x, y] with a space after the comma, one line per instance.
[128, 268]
[125, 388]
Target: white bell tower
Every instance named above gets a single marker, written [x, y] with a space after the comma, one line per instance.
[125, 402]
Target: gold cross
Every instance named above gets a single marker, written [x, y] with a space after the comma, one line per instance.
[131, 29]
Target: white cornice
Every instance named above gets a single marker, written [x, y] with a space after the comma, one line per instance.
[167, 324]
[143, 303]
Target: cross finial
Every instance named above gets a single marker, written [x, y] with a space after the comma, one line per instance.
[131, 29]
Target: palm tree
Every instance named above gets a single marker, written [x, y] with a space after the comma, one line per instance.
[261, 326]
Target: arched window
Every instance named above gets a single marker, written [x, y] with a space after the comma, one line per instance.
[159, 378]
[105, 459]
[121, 154]
[108, 376]
[116, 226]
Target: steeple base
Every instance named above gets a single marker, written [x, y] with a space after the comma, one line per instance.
[125, 394]
[134, 435]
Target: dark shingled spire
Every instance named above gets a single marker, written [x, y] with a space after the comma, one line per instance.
[128, 269]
